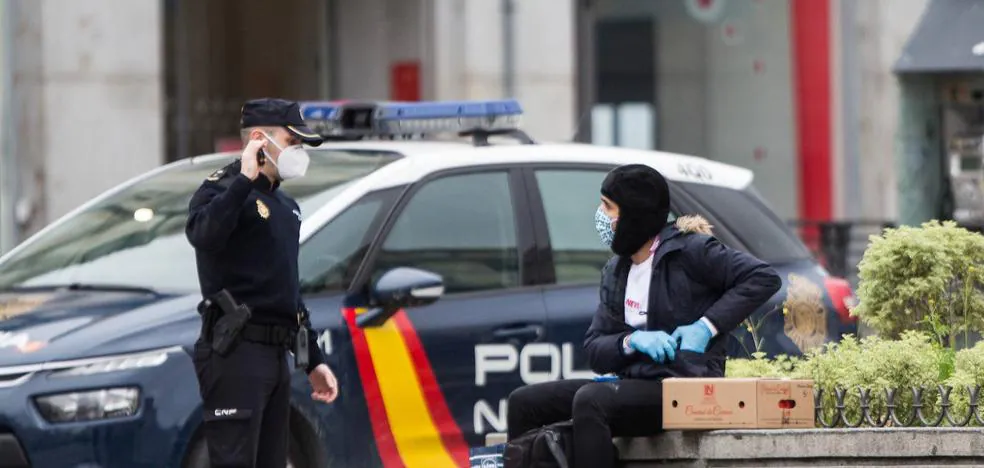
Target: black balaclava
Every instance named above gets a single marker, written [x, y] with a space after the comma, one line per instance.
[643, 200]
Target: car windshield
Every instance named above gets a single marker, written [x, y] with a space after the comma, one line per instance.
[136, 237]
[749, 218]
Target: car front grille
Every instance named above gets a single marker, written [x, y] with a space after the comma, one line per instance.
[10, 380]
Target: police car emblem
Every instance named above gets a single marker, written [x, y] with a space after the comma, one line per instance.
[262, 209]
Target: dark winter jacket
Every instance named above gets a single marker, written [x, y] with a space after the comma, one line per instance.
[693, 276]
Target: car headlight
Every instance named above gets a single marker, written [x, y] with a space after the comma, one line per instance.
[113, 363]
[89, 405]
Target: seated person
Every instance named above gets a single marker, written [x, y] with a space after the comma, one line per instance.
[669, 298]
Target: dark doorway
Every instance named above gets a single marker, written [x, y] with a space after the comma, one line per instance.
[624, 111]
[625, 56]
[214, 62]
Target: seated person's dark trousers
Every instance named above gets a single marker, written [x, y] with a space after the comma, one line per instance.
[600, 410]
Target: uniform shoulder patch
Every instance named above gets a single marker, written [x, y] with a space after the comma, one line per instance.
[215, 175]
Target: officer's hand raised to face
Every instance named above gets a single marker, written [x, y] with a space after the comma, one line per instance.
[324, 384]
[249, 167]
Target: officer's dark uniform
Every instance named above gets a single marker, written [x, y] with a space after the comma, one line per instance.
[246, 239]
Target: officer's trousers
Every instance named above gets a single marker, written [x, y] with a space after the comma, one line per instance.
[246, 396]
[600, 410]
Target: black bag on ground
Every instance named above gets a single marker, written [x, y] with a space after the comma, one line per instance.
[546, 447]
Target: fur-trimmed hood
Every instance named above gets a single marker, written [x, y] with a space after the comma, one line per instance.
[693, 224]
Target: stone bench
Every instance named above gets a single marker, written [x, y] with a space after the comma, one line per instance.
[803, 447]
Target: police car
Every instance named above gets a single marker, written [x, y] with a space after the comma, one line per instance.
[441, 275]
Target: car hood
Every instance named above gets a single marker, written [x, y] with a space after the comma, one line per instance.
[42, 326]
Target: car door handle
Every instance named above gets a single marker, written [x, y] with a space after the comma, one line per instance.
[531, 332]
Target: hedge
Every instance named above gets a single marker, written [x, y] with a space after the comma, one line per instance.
[916, 359]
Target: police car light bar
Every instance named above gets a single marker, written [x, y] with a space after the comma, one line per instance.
[359, 119]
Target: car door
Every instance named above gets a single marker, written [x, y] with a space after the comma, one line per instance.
[443, 372]
[327, 263]
[563, 200]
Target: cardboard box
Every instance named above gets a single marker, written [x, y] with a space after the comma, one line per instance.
[723, 403]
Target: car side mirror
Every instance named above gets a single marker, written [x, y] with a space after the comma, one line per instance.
[401, 288]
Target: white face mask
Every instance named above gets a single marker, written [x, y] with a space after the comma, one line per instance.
[293, 161]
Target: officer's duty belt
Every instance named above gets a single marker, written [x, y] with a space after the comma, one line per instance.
[274, 335]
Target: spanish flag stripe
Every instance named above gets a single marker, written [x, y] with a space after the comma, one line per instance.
[385, 443]
[416, 435]
[454, 441]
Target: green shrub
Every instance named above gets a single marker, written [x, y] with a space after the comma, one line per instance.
[877, 364]
[929, 278]
[971, 361]
[871, 363]
[968, 372]
[759, 366]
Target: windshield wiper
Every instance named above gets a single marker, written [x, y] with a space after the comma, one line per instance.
[86, 287]
[111, 288]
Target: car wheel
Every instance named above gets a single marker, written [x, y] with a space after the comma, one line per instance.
[198, 455]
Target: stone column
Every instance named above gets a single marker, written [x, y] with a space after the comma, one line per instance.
[88, 110]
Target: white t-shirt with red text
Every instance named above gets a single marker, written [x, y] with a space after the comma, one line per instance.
[637, 294]
[637, 298]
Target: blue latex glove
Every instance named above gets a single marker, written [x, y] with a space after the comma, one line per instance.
[658, 345]
[693, 337]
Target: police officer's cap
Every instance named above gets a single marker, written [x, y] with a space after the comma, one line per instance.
[272, 112]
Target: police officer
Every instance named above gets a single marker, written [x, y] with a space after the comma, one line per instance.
[245, 231]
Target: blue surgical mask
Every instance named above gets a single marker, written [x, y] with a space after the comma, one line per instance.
[603, 224]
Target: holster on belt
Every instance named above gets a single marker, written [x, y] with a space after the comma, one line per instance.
[222, 320]
[209, 314]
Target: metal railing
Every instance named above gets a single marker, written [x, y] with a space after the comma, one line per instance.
[921, 411]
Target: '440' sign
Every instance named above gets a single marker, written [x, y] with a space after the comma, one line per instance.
[694, 171]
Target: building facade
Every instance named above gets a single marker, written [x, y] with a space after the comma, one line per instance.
[801, 91]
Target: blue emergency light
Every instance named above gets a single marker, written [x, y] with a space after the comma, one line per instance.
[346, 119]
